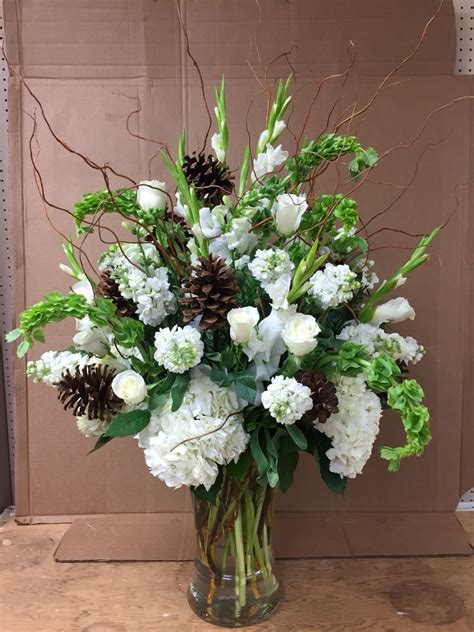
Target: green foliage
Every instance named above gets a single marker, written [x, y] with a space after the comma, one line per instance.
[123, 201]
[297, 436]
[53, 308]
[101, 441]
[243, 382]
[319, 444]
[128, 424]
[209, 494]
[178, 390]
[382, 372]
[239, 470]
[102, 311]
[406, 398]
[128, 332]
[352, 359]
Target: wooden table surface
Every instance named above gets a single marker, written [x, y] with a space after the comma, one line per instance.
[390, 595]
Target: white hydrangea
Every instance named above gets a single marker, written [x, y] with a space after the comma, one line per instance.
[354, 428]
[143, 280]
[52, 364]
[375, 341]
[187, 446]
[273, 268]
[266, 161]
[334, 285]
[91, 427]
[286, 399]
[178, 349]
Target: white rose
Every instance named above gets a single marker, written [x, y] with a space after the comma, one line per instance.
[89, 338]
[242, 322]
[394, 311]
[299, 334]
[130, 386]
[151, 194]
[288, 211]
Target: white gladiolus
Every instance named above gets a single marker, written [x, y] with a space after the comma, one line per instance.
[151, 194]
[218, 146]
[85, 289]
[178, 349]
[299, 334]
[129, 386]
[242, 322]
[208, 223]
[394, 311]
[266, 161]
[287, 211]
[286, 399]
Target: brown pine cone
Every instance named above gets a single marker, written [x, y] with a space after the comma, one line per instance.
[108, 288]
[210, 292]
[323, 394]
[209, 177]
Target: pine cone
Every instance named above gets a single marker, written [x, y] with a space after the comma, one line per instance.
[210, 178]
[323, 394]
[88, 391]
[210, 292]
[108, 288]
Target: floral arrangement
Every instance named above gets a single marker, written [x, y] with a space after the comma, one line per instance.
[240, 323]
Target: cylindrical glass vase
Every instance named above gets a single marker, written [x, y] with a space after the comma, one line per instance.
[233, 583]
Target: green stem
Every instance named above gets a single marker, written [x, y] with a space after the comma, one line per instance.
[240, 566]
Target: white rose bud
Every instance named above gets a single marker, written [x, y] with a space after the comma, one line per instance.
[288, 211]
[299, 334]
[394, 311]
[242, 321]
[151, 194]
[130, 386]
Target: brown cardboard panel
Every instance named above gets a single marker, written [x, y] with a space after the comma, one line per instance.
[91, 61]
[167, 537]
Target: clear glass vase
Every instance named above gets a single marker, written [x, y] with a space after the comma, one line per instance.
[233, 583]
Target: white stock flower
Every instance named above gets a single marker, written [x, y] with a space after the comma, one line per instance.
[375, 341]
[218, 146]
[129, 386]
[287, 211]
[91, 427]
[354, 428]
[151, 194]
[52, 364]
[394, 311]
[266, 161]
[333, 286]
[178, 349]
[273, 267]
[300, 334]
[141, 279]
[369, 278]
[95, 340]
[286, 399]
[186, 447]
[242, 321]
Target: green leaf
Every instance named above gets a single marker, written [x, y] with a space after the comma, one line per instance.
[239, 470]
[23, 347]
[333, 481]
[157, 399]
[287, 462]
[13, 335]
[257, 453]
[273, 478]
[101, 441]
[246, 388]
[178, 390]
[126, 424]
[298, 437]
[209, 494]
[165, 386]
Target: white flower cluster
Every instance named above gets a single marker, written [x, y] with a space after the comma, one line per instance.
[266, 161]
[334, 285]
[286, 399]
[52, 364]
[273, 267]
[187, 446]
[178, 349]
[91, 427]
[354, 428]
[369, 278]
[142, 279]
[375, 341]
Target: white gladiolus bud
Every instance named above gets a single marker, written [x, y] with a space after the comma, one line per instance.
[129, 386]
[151, 194]
[218, 147]
[263, 140]
[299, 334]
[288, 211]
[242, 322]
[278, 129]
[394, 311]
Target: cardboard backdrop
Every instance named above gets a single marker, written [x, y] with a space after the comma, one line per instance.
[92, 62]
